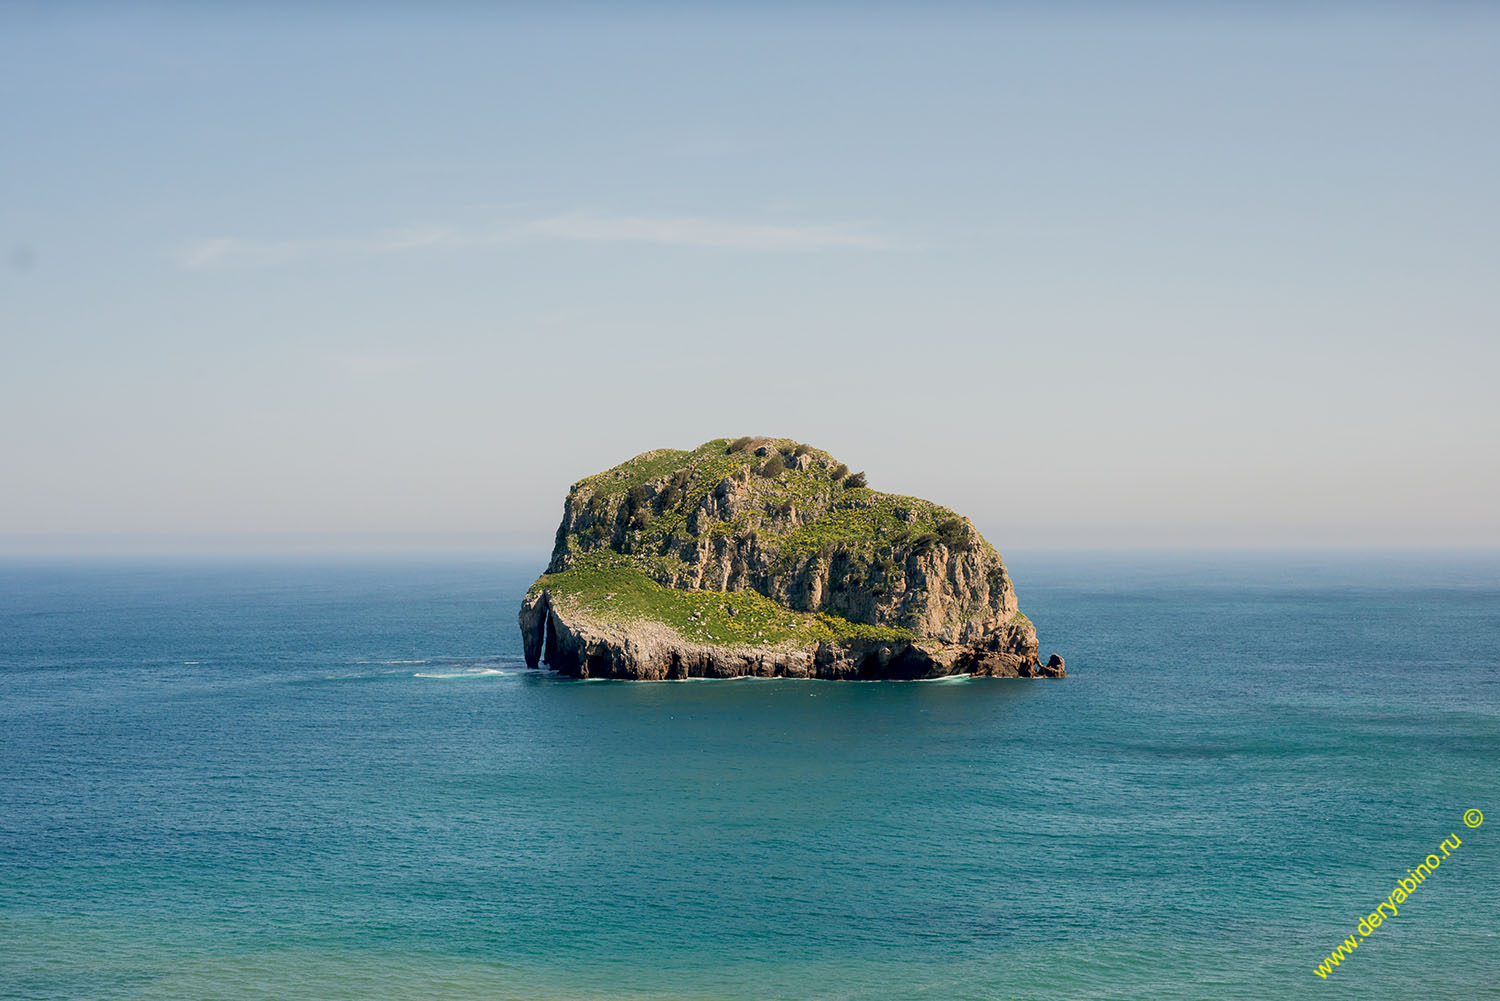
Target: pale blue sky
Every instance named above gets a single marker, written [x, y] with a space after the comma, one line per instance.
[1114, 275]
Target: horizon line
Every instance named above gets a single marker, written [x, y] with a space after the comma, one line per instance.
[72, 546]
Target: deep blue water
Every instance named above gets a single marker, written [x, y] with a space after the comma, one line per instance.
[293, 780]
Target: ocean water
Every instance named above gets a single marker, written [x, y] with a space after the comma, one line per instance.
[296, 780]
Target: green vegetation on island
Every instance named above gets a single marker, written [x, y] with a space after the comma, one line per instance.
[801, 502]
[768, 556]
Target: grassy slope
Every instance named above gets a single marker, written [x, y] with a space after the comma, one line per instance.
[617, 588]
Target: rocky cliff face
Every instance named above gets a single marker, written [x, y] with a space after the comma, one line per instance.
[767, 557]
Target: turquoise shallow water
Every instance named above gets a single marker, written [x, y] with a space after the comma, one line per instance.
[292, 780]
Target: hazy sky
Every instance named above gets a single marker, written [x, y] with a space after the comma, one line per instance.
[1116, 275]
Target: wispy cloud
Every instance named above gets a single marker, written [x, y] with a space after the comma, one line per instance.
[696, 232]
[222, 251]
[233, 252]
[687, 231]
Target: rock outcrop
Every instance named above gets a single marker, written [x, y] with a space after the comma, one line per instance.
[766, 557]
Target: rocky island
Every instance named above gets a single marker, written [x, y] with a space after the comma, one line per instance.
[767, 557]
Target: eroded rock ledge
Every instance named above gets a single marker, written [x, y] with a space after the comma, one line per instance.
[769, 558]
